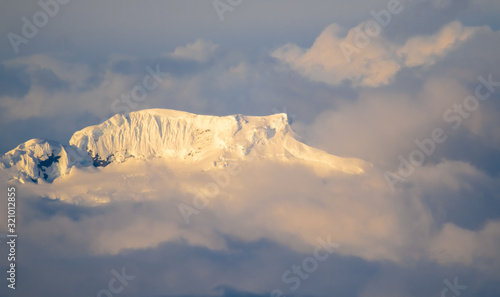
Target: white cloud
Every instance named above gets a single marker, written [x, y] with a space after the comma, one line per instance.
[200, 50]
[426, 50]
[325, 60]
[379, 125]
[234, 76]
[289, 205]
[373, 61]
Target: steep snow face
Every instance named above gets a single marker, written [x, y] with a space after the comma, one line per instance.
[165, 133]
[41, 159]
[195, 138]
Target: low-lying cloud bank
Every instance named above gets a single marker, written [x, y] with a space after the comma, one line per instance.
[262, 225]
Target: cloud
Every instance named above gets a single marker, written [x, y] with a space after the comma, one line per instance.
[325, 61]
[457, 245]
[291, 206]
[365, 59]
[486, 6]
[199, 51]
[425, 50]
[57, 88]
[259, 225]
[74, 73]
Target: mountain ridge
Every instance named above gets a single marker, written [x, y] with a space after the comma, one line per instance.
[170, 134]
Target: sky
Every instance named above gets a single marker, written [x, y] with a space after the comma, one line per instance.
[410, 86]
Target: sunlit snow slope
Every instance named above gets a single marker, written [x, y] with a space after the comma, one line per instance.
[169, 134]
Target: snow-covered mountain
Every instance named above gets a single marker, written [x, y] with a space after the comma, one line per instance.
[160, 133]
[41, 159]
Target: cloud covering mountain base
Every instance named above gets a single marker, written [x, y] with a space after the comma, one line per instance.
[128, 213]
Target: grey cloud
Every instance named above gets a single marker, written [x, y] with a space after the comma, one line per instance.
[14, 81]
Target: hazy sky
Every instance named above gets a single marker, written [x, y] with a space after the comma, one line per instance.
[374, 80]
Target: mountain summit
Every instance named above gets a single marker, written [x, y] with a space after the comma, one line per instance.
[174, 135]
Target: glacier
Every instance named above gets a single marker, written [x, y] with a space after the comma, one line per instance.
[212, 141]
